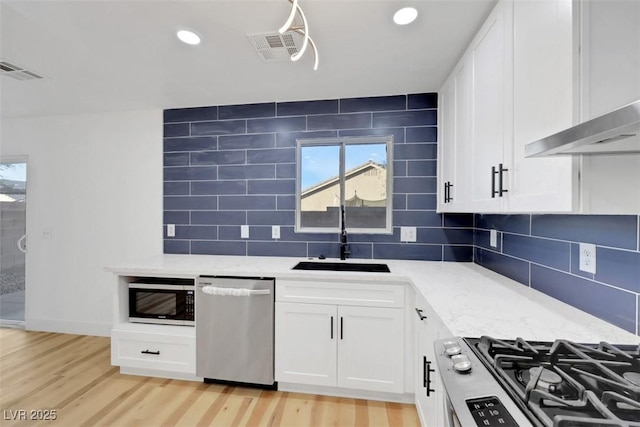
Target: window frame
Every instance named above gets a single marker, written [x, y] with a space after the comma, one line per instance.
[342, 142]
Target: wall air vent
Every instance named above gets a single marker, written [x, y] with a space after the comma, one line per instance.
[275, 47]
[11, 69]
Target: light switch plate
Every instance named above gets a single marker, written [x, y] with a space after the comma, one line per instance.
[493, 238]
[275, 231]
[588, 258]
[171, 230]
[244, 231]
[408, 234]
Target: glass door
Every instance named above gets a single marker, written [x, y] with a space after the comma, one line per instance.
[13, 242]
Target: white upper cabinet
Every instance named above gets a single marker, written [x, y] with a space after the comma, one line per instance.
[542, 105]
[490, 58]
[453, 156]
[520, 88]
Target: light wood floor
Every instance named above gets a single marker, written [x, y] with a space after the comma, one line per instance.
[72, 375]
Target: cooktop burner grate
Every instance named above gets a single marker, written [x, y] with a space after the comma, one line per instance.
[565, 383]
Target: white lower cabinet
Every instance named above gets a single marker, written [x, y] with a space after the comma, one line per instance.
[370, 348]
[429, 394]
[344, 346]
[339, 345]
[305, 336]
[170, 352]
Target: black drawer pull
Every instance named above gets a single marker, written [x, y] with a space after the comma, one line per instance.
[157, 353]
[422, 316]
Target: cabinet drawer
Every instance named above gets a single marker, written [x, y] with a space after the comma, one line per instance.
[341, 293]
[154, 351]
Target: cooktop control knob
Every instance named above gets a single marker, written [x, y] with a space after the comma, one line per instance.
[451, 348]
[461, 363]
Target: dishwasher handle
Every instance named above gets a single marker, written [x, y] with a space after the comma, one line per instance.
[234, 292]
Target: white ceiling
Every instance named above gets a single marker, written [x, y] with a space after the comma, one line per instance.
[107, 55]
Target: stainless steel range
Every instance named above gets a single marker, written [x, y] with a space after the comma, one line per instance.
[491, 382]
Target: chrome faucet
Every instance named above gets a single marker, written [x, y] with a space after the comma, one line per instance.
[344, 247]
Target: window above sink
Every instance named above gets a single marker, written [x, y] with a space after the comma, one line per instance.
[351, 171]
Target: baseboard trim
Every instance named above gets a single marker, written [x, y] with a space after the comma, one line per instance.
[69, 327]
[159, 374]
[347, 392]
[14, 324]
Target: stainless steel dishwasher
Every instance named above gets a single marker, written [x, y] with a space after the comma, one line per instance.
[235, 330]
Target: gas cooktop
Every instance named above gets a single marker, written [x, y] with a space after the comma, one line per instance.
[563, 383]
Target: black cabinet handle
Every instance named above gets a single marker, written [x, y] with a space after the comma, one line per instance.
[427, 382]
[501, 171]
[422, 316]
[447, 192]
[424, 372]
[341, 329]
[331, 327]
[493, 182]
[157, 353]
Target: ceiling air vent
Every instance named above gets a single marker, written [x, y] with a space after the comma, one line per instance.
[273, 47]
[10, 69]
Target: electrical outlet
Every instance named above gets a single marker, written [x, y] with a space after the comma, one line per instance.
[244, 231]
[588, 258]
[493, 238]
[275, 231]
[408, 234]
[171, 230]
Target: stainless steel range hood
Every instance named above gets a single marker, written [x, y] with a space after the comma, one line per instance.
[612, 133]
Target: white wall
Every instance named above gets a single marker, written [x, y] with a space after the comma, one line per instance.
[94, 198]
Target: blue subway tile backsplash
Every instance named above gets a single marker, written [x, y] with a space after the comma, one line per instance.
[419, 101]
[610, 304]
[246, 111]
[305, 108]
[378, 103]
[226, 166]
[243, 156]
[542, 251]
[619, 231]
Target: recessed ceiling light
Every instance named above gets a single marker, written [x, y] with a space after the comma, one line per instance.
[188, 37]
[405, 16]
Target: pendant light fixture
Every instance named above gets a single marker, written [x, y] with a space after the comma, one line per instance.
[291, 25]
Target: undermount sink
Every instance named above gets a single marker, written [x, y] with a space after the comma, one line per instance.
[342, 266]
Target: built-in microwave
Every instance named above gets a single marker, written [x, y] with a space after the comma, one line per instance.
[162, 300]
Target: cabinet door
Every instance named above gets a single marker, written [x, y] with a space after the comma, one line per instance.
[305, 343]
[543, 105]
[491, 107]
[429, 394]
[446, 143]
[371, 348]
[454, 99]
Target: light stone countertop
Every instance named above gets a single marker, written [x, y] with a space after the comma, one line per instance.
[471, 300]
